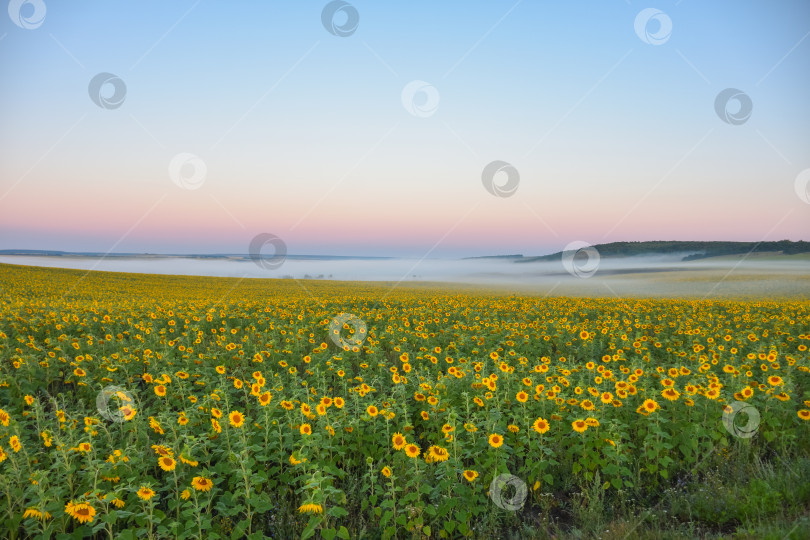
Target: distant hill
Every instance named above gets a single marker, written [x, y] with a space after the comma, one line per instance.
[696, 250]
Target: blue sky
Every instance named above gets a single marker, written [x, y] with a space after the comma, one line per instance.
[304, 133]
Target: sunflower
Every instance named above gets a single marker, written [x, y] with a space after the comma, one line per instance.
[145, 493]
[14, 441]
[167, 463]
[579, 426]
[522, 396]
[215, 425]
[200, 483]
[188, 460]
[216, 413]
[372, 410]
[264, 399]
[671, 394]
[185, 494]
[128, 412]
[32, 512]
[36, 513]
[592, 422]
[495, 440]
[161, 450]
[774, 380]
[84, 447]
[650, 405]
[386, 472]
[606, 397]
[412, 451]
[398, 441]
[305, 429]
[438, 454]
[82, 512]
[236, 419]
[310, 508]
[160, 390]
[540, 426]
[470, 476]
[804, 414]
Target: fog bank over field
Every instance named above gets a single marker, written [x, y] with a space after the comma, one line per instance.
[653, 275]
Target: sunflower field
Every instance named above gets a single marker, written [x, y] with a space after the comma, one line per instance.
[142, 406]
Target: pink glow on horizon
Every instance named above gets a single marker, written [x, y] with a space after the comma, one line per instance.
[213, 220]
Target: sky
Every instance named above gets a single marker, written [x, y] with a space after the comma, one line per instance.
[368, 128]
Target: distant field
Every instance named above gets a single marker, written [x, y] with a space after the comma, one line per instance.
[146, 406]
[767, 256]
[760, 275]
